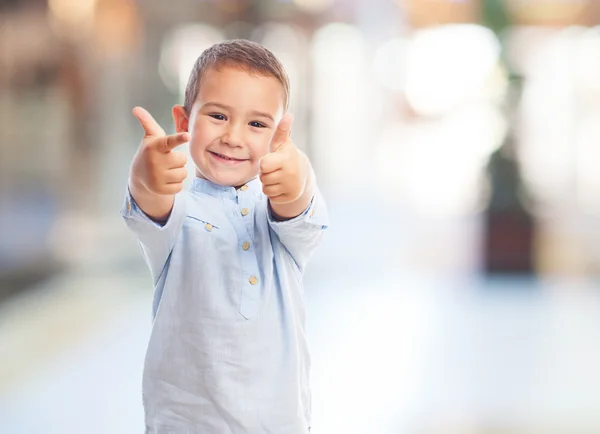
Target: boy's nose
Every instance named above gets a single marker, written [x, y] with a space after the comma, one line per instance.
[233, 136]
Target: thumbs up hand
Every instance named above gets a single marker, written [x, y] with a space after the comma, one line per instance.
[285, 173]
[156, 166]
[157, 172]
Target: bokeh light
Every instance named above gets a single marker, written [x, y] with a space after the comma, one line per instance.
[180, 50]
[449, 66]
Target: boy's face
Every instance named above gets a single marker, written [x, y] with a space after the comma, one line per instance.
[231, 124]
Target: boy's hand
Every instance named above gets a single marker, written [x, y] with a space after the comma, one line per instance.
[285, 173]
[157, 172]
[284, 170]
[155, 165]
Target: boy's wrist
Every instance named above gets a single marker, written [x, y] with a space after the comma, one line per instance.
[155, 206]
[136, 188]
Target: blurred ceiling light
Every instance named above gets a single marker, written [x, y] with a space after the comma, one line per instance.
[180, 50]
[447, 160]
[449, 66]
[389, 64]
[438, 165]
[483, 128]
[440, 180]
[314, 6]
[549, 111]
[342, 102]
[588, 156]
[521, 45]
[69, 16]
[338, 45]
[539, 52]
[588, 59]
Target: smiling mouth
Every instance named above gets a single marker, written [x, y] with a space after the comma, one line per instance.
[225, 157]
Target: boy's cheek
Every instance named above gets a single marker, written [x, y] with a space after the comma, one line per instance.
[200, 137]
[197, 145]
[260, 149]
[261, 154]
[203, 128]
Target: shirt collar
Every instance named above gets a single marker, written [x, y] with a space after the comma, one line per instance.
[201, 185]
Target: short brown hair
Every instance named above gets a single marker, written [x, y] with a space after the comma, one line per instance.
[248, 55]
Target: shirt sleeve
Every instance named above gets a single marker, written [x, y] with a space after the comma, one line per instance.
[302, 234]
[156, 240]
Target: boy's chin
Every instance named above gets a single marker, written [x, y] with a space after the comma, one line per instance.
[232, 181]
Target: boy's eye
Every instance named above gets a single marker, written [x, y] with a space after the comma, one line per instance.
[218, 116]
[257, 124]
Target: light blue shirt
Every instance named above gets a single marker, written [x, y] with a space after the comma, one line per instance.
[228, 351]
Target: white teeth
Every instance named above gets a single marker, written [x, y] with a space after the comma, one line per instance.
[226, 157]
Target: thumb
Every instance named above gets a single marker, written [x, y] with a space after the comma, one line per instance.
[282, 133]
[150, 126]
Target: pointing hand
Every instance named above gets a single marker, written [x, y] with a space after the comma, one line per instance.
[155, 165]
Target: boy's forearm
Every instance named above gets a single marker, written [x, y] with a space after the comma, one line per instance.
[286, 211]
[156, 206]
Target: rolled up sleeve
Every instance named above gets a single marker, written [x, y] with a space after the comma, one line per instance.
[156, 240]
[302, 234]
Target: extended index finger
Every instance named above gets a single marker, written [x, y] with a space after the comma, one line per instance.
[283, 131]
[171, 142]
[150, 126]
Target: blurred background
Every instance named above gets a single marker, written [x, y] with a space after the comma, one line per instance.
[457, 143]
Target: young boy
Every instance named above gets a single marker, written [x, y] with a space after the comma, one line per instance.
[228, 351]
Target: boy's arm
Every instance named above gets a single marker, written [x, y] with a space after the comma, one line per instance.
[302, 234]
[153, 210]
[297, 213]
[156, 207]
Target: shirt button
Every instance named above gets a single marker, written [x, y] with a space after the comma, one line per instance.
[244, 187]
[253, 280]
[246, 245]
[208, 227]
[244, 211]
[128, 206]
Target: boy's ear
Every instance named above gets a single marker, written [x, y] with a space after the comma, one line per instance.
[180, 118]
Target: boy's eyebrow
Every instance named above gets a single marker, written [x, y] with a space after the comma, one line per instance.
[226, 107]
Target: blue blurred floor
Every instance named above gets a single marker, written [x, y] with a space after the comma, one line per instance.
[394, 351]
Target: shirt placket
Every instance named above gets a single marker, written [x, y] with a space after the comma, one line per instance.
[243, 221]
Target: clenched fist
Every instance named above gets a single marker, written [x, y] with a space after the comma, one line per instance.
[156, 166]
[284, 171]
